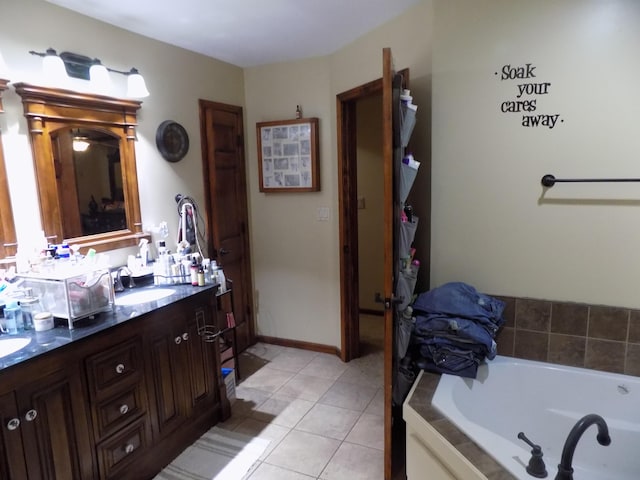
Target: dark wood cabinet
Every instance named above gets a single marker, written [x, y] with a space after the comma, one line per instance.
[118, 405]
[45, 430]
[182, 367]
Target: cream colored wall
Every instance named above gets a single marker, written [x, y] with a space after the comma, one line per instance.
[176, 79]
[494, 226]
[295, 257]
[293, 253]
[370, 190]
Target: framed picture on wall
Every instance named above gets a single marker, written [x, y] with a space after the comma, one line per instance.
[288, 155]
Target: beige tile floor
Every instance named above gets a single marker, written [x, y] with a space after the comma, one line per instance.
[324, 417]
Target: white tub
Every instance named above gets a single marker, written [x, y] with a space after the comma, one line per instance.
[545, 401]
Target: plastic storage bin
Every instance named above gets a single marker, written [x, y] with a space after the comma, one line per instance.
[74, 294]
[230, 382]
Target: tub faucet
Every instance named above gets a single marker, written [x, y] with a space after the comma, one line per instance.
[565, 471]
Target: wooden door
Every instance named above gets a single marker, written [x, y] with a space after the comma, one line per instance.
[55, 427]
[388, 282]
[201, 362]
[166, 370]
[224, 172]
[12, 460]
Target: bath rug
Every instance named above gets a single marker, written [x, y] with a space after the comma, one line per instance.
[218, 455]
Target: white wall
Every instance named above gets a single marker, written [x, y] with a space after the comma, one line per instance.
[176, 79]
[493, 224]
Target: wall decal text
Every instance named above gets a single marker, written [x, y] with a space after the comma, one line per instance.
[525, 95]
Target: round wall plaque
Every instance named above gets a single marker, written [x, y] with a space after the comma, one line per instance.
[172, 141]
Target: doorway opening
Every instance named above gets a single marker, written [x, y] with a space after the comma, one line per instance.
[347, 114]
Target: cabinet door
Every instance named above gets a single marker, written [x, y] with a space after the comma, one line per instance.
[12, 461]
[54, 425]
[201, 362]
[166, 370]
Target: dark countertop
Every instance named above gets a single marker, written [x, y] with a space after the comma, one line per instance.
[61, 335]
[420, 401]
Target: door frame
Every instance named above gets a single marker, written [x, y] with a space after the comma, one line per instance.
[348, 215]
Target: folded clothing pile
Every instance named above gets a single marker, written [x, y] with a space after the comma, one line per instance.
[455, 329]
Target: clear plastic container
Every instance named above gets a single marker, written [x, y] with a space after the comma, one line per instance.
[13, 318]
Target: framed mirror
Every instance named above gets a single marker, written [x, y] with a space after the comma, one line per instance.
[85, 166]
[8, 245]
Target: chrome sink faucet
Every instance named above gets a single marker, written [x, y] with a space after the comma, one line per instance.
[565, 470]
[117, 284]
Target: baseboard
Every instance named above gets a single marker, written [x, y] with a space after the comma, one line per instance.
[285, 342]
[369, 311]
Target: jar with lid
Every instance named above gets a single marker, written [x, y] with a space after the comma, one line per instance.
[43, 321]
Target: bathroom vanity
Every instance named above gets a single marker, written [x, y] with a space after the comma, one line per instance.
[119, 396]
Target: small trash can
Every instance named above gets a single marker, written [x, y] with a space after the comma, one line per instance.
[230, 382]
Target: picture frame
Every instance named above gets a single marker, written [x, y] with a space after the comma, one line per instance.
[288, 155]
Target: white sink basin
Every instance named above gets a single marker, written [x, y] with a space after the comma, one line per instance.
[143, 296]
[12, 345]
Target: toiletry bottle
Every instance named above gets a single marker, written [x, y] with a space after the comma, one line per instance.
[194, 273]
[201, 280]
[222, 280]
[13, 317]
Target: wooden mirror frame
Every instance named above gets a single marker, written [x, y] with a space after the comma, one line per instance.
[49, 109]
[8, 245]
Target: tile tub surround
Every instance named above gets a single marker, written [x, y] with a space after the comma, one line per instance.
[421, 403]
[575, 334]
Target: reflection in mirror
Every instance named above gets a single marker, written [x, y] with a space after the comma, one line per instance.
[88, 198]
[89, 180]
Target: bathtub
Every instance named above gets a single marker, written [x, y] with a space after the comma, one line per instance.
[545, 401]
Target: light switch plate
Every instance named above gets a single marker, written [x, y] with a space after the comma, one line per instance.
[323, 214]
[361, 203]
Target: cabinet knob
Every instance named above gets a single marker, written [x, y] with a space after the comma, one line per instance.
[119, 368]
[13, 424]
[185, 336]
[31, 415]
[178, 340]
[128, 448]
[124, 408]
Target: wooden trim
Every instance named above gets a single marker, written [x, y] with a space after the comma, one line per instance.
[50, 109]
[285, 342]
[370, 311]
[8, 245]
[348, 216]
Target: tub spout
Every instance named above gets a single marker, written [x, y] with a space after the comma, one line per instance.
[565, 470]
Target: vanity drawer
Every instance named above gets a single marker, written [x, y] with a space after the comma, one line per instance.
[112, 414]
[121, 450]
[111, 370]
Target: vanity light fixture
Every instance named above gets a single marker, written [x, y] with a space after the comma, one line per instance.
[68, 64]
